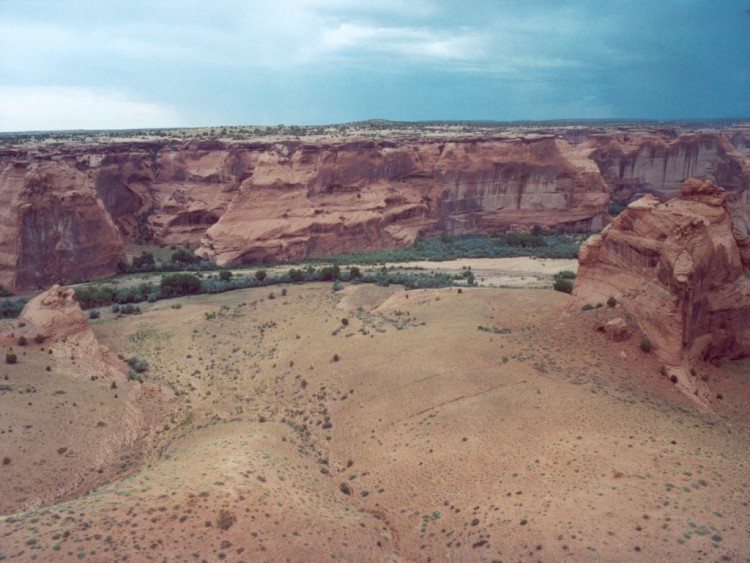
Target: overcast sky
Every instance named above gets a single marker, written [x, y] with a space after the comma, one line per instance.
[74, 64]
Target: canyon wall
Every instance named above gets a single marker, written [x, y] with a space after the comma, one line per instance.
[68, 211]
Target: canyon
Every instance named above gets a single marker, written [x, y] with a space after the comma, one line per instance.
[70, 209]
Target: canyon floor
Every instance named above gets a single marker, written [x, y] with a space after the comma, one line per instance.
[372, 424]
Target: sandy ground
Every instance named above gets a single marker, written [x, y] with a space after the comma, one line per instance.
[500, 272]
[377, 424]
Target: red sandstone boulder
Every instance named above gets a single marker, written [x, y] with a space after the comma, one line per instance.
[616, 329]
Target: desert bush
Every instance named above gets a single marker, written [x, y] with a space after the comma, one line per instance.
[4, 291]
[94, 314]
[260, 275]
[39, 338]
[225, 275]
[296, 275]
[137, 364]
[354, 273]
[10, 358]
[22, 341]
[225, 519]
[563, 285]
[11, 309]
[130, 309]
[143, 263]
[611, 301]
[646, 345]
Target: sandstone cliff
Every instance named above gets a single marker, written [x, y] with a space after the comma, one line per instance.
[52, 226]
[67, 211]
[679, 270]
[314, 200]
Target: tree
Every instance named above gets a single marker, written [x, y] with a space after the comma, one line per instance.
[185, 256]
[225, 275]
[144, 262]
[260, 275]
[175, 285]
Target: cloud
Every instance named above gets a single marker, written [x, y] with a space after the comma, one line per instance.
[50, 108]
[409, 43]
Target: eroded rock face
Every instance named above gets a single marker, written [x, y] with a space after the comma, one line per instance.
[53, 228]
[315, 200]
[66, 212]
[679, 269]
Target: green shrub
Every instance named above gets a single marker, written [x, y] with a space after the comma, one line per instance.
[563, 285]
[39, 338]
[137, 364]
[94, 314]
[225, 275]
[260, 275]
[10, 358]
[185, 256]
[22, 341]
[296, 275]
[11, 309]
[566, 275]
[611, 301]
[354, 273]
[5, 292]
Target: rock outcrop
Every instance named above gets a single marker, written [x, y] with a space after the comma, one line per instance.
[679, 269]
[56, 315]
[67, 211]
[53, 228]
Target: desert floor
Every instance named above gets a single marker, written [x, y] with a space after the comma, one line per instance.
[373, 424]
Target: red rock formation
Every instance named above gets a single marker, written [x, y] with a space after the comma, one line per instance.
[679, 270]
[52, 226]
[57, 316]
[245, 202]
[658, 163]
[315, 200]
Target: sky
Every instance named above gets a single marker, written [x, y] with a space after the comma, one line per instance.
[101, 64]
